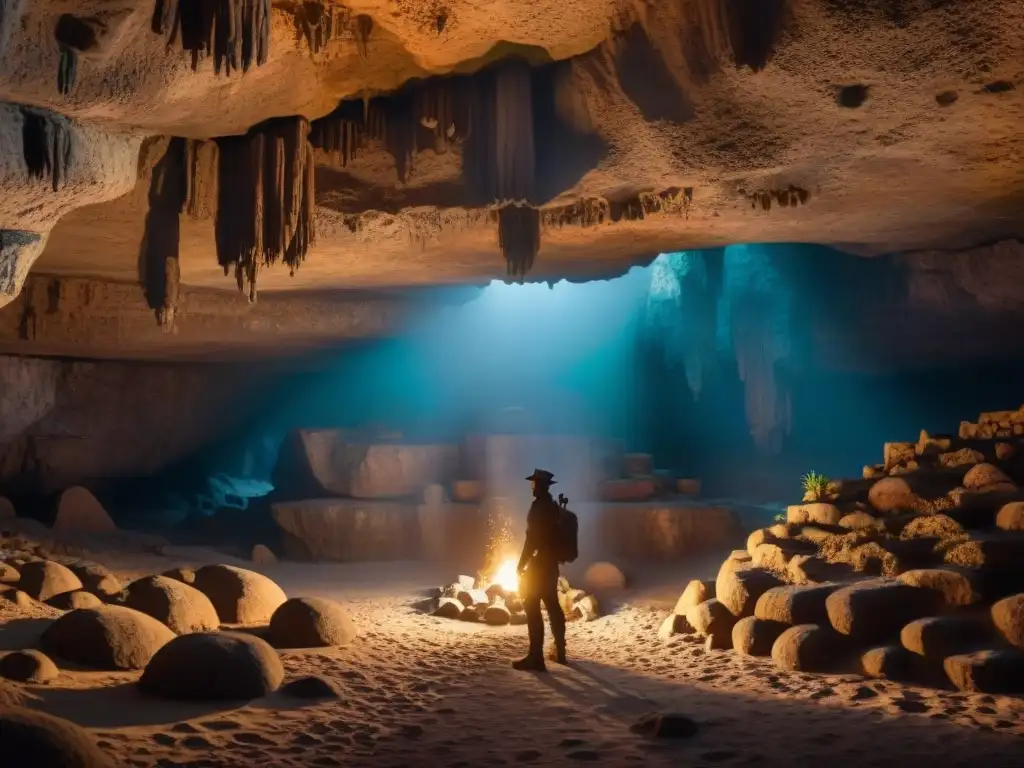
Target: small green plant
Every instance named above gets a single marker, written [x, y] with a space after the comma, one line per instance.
[815, 484]
[779, 518]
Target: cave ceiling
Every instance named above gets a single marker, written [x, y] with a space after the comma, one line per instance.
[414, 142]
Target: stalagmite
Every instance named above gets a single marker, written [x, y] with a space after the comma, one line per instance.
[234, 32]
[47, 147]
[265, 200]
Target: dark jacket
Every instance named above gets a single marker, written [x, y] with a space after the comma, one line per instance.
[540, 552]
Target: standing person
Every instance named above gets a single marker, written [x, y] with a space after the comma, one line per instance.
[538, 574]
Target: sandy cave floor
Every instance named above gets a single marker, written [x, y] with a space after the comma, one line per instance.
[424, 691]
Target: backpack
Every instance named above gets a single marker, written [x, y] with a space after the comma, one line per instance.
[568, 531]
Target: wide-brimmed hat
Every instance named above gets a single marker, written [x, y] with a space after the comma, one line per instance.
[542, 476]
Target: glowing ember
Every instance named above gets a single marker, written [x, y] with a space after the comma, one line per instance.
[506, 576]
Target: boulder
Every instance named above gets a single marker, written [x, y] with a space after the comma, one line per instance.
[894, 454]
[262, 557]
[627, 489]
[808, 648]
[70, 601]
[710, 617]
[889, 661]
[7, 511]
[109, 637]
[817, 513]
[311, 622]
[775, 557]
[17, 597]
[637, 465]
[42, 579]
[937, 637]
[965, 457]
[856, 521]
[876, 610]
[332, 462]
[755, 637]
[78, 511]
[497, 615]
[759, 537]
[673, 625]
[32, 667]
[892, 494]
[312, 687]
[603, 577]
[182, 608]
[9, 574]
[471, 613]
[1011, 517]
[1008, 618]
[807, 569]
[984, 476]
[96, 578]
[740, 589]
[940, 527]
[792, 605]
[738, 559]
[696, 592]
[240, 596]
[991, 671]
[34, 740]
[956, 586]
[207, 666]
[665, 725]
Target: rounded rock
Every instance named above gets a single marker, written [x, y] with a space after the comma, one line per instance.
[9, 574]
[97, 579]
[1011, 516]
[755, 637]
[807, 648]
[311, 687]
[207, 666]
[892, 494]
[792, 604]
[739, 589]
[311, 622]
[876, 610]
[42, 579]
[184, 575]
[79, 512]
[696, 592]
[893, 662]
[937, 637]
[497, 615]
[240, 596]
[109, 637]
[984, 475]
[991, 671]
[604, 577]
[28, 666]
[955, 585]
[1008, 618]
[70, 601]
[710, 617]
[39, 739]
[182, 608]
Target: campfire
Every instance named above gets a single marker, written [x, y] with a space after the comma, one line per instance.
[492, 596]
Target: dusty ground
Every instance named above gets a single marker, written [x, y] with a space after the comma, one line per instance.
[425, 691]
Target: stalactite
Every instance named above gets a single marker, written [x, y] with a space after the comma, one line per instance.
[201, 179]
[319, 23]
[235, 32]
[160, 272]
[67, 70]
[47, 147]
[768, 406]
[265, 200]
[519, 237]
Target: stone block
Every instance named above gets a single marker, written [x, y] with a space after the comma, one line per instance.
[740, 589]
[661, 530]
[989, 671]
[792, 605]
[696, 592]
[755, 637]
[894, 454]
[956, 586]
[347, 530]
[710, 617]
[1008, 619]
[937, 637]
[808, 648]
[875, 611]
[814, 514]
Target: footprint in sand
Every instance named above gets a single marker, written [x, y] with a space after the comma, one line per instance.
[863, 693]
[253, 738]
[911, 705]
[823, 693]
[184, 728]
[164, 739]
[584, 755]
[196, 742]
[220, 725]
[528, 756]
[304, 739]
[411, 731]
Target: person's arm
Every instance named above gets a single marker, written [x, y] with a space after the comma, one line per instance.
[530, 547]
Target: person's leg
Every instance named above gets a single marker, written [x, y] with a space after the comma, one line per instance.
[534, 660]
[557, 619]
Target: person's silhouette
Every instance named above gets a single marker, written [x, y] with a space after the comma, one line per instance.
[538, 574]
